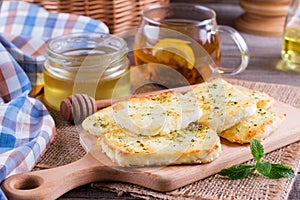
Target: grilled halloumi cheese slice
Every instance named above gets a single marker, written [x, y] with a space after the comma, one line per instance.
[193, 144]
[223, 105]
[258, 126]
[263, 100]
[151, 115]
[100, 121]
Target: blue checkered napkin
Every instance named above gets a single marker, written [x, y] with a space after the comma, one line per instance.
[27, 27]
[26, 127]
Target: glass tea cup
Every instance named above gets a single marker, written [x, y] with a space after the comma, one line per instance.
[167, 44]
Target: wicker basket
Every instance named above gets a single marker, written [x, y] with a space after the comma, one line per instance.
[118, 15]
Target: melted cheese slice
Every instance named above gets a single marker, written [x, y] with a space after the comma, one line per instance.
[148, 116]
[258, 126]
[223, 105]
[193, 144]
[263, 100]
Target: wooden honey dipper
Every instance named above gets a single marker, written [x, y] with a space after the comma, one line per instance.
[77, 107]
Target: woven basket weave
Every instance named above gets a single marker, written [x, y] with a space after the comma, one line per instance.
[118, 15]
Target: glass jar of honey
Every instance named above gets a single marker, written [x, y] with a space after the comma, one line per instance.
[95, 64]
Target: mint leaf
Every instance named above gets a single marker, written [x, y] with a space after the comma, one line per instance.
[263, 167]
[267, 169]
[257, 149]
[280, 171]
[238, 171]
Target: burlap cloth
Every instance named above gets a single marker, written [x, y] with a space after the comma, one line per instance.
[66, 149]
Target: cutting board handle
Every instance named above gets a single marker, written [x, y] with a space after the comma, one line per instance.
[52, 183]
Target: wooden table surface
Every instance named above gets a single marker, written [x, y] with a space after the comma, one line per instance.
[265, 56]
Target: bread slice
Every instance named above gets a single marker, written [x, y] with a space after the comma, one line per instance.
[193, 144]
[149, 116]
[258, 126]
[223, 104]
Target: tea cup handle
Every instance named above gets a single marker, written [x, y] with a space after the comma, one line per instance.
[242, 46]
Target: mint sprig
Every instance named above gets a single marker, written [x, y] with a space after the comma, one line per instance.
[270, 170]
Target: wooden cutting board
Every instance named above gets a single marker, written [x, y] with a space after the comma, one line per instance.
[95, 166]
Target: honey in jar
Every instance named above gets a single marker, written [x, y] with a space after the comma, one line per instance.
[95, 64]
